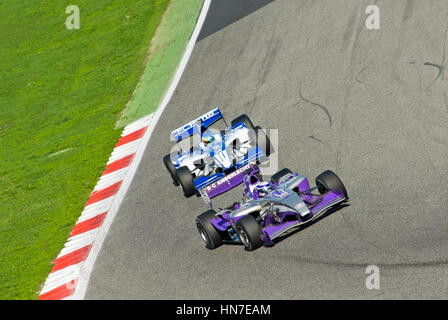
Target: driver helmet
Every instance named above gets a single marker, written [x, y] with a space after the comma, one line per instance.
[263, 188]
[251, 181]
[207, 139]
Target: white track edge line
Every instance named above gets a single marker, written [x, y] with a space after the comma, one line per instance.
[87, 266]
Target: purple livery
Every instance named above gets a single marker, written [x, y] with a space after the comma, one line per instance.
[269, 208]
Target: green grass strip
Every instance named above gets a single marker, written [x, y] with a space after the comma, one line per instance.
[61, 94]
[166, 53]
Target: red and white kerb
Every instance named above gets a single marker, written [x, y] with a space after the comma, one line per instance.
[61, 282]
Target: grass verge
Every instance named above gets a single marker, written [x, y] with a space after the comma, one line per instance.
[61, 94]
[165, 55]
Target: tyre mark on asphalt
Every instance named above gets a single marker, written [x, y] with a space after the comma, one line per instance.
[419, 128]
[444, 51]
[268, 62]
[383, 266]
[358, 33]
[357, 234]
[350, 27]
[446, 101]
[314, 138]
[421, 106]
[438, 66]
[409, 10]
[349, 72]
[272, 55]
[360, 72]
[441, 66]
[317, 105]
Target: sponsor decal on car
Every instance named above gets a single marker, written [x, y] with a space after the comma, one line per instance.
[192, 123]
[227, 178]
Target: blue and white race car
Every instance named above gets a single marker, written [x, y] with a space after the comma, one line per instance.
[207, 155]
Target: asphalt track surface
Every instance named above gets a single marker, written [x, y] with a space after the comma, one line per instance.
[371, 105]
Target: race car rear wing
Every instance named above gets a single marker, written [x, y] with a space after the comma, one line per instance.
[202, 122]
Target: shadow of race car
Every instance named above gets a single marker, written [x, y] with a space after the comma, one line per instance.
[270, 209]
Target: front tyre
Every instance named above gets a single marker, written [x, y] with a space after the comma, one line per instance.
[207, 231]
[249, 232]
[171, 169]
[186, 181]
[244, 118]
[280, 174]
[328, 180]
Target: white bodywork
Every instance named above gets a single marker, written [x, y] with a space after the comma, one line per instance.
[206, 160]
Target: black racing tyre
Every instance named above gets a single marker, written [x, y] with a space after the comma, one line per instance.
[249, 232]
[276, 177]
[244, 118]
[328, 180]
[186, 181]
[207, 231]
[170, 167]
[263, 141]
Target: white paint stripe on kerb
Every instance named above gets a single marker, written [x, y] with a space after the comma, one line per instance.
[124, 150]
[111, 178]
[95, 209]
[87, 266]
[79, 241]
[61, 277]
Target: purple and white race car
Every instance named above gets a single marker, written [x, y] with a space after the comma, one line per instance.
[270, 208]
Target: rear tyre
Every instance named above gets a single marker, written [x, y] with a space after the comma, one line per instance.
[263, 141]
[280, 174]
[249, 232]
[207, 231]
[244, 118]
[186, 181]
[170, 167]
[328, 180]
